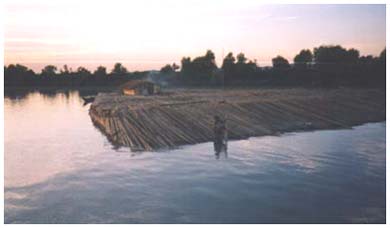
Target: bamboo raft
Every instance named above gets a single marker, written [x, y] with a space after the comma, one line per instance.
[186, 116]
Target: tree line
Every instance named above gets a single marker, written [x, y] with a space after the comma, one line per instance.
[323, 66]
[19, 75]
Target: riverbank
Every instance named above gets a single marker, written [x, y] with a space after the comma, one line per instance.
[180, 117]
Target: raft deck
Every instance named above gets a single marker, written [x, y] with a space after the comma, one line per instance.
[181, 117]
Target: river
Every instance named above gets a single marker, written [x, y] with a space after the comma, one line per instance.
[59, 168]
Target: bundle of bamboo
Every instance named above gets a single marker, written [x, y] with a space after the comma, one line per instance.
[186, 117]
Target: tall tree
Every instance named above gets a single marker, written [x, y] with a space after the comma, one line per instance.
[228, 66]
[241, 59]
[65, 70]
[303, 58]
[119, 69]
[280, 63]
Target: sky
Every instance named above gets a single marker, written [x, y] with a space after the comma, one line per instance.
[147, 34]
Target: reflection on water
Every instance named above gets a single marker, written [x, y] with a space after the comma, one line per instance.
[60, 169]
[220, 153]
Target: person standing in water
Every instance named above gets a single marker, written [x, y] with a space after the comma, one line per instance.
[220, 136]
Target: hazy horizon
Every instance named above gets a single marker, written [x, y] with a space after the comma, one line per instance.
[146, 35]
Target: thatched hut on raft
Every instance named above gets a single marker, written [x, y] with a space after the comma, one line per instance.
[139, 87]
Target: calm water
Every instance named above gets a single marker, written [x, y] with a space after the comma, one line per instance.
[60, 169]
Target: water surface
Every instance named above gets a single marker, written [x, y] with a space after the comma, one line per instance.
[60, 169]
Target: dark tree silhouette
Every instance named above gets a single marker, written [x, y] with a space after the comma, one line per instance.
[100, 71]
[333, 66]
[199, 70]
[382, 56]
[280, 63]
[119, 69]
[368, 59]
[49, 70]
[228, 62]
[17, 74]
[206, 64]
[335, 55]
[352, 56]
[239, 71]
[244, 69]
[16, 69]
[168, 69]
[241, 59]
[228, 66]
[83, 71]
[175, 67]
[65, 70]
[304, 58]
[185, 63]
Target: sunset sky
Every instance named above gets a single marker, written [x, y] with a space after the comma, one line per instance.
[148, 34]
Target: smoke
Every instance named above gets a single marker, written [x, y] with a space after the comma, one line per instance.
[158, 78]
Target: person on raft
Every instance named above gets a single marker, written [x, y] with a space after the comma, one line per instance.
[220, 136]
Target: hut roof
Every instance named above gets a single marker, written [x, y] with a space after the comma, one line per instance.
[135, 83]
